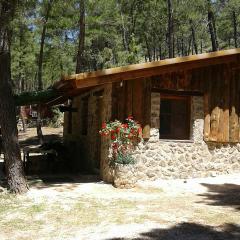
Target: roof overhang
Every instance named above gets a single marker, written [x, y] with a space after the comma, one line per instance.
[74, 84]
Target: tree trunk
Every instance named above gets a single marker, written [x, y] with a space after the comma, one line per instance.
[160, 52]
[43, 36]
[21, 82]
[189, 46]
[148, 48]
[80, 54]
[14, 165]
[194, 37]
[40, 64]
[182, 47]
[235, 29]
[212, 28]
[170, 29]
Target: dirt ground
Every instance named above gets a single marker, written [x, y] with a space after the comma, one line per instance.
[81, 207]
[29, 137]
[67, 207]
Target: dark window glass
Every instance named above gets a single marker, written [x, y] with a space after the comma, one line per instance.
[175, 117]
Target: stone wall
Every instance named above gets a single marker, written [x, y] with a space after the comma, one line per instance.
[86, 150]
[162, 159]
[156, 158]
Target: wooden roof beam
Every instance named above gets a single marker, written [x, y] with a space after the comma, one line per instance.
[137, 71]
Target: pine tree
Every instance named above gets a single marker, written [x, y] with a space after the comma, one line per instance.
[14, 165]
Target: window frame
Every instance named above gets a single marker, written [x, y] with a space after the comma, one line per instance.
[179, 97]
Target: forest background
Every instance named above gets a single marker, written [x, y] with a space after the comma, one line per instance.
[51, 38]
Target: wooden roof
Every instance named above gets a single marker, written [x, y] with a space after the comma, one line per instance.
[74, 84]
[91, 79]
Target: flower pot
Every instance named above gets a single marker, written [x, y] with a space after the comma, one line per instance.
[124, 176]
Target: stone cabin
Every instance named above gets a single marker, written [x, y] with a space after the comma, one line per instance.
[188, 107]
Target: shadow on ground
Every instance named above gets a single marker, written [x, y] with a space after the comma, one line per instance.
[35, 141]
[222, 195]
[61, 181]
[190, 231]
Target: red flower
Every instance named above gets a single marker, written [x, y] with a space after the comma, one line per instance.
[118, 130]
[132, 130]
[130, 117]
[113, 137]
[115, 146]
[104, 125]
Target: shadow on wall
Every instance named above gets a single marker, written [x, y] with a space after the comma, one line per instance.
[223, 195]
[190, 231]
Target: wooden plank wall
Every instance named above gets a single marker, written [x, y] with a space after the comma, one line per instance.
[189, 80]
[220, 85]
[133, 98]
[234, 123]
[217, 114]
[221, 89]
[221, 105]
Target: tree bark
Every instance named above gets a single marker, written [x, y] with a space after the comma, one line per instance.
[160, 52]
[194, 37]
[40, 64]
[148, 48]
[235, 29]
[170, 29]
[43, 36]
[14, 165]
[182, 47]
[212, 28]
[21, 82]
[189, 46]
[80, 54]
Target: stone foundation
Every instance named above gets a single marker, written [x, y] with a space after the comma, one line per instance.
[121, 176]
[156, 158]
[162, 159]
[170, 160]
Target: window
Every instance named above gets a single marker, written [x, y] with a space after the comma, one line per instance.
[175, 117]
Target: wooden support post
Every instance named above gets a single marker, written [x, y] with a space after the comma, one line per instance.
[146, 111]
[70, 117]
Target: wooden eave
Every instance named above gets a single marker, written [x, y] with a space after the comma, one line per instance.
[144, 70]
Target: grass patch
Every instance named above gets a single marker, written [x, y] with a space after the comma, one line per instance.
[36, 208]
[52, 218]
[215, 216]
[8, 202]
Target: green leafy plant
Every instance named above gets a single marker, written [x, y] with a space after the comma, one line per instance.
[124, 137]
